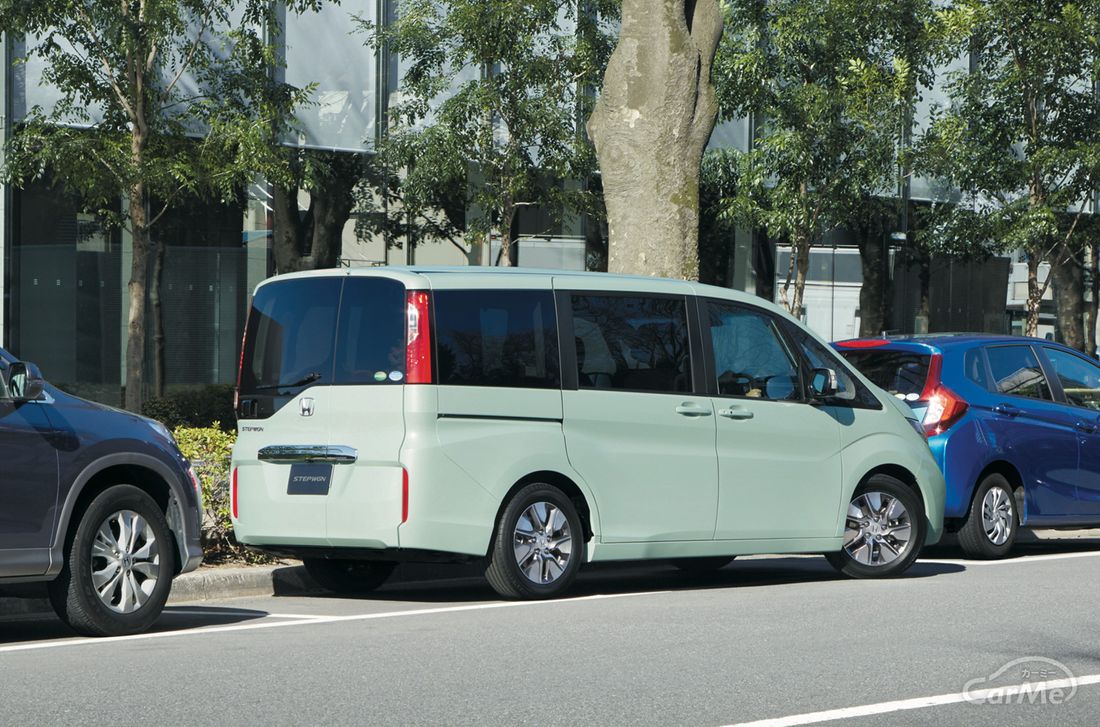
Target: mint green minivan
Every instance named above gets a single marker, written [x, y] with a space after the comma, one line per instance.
[538, 420]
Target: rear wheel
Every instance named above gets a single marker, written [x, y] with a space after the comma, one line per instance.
[118, 567]
[348, 577]
[538, 545]
[703, 565]
[884, 530]
[991, 525]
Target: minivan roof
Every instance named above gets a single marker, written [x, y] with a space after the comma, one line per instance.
[473, 274]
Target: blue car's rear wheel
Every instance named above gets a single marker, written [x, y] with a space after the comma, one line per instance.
[992, 523]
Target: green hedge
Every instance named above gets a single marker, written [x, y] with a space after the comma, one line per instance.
[196, 408]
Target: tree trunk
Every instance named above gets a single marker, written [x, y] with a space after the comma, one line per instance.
[924, 277]
[1034, 296]
[139, 274]
[874, 293]
[1092, 307]
[651, 124]
[315, 240]
[1068, 281]
[801, 252]
[159, 364]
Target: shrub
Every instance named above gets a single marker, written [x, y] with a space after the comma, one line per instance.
[196, 408]
[210, 449]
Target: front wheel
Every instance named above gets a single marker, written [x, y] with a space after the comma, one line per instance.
[884, 530]
[991, 525]
[538, 545]
[118, 567]
[348, 577]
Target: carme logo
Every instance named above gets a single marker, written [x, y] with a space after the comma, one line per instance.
[1027, 680]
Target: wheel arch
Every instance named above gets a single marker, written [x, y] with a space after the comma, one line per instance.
[898, 473]
[560, 481]
[142, 471]
[1010, 472]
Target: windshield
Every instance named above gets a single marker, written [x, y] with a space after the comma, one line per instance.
[902, 373]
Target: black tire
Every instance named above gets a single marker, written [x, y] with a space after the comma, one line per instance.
[504, 573]
[73, 593]
[703, 565]
[849, 565]
[348, 577]
[973, 538]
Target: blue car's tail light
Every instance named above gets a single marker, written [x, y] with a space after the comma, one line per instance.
[945, 408]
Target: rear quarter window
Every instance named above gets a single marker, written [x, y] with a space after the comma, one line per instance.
[496, 338]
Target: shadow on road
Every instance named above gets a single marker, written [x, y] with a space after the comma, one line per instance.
[44, 626]
[442, 584]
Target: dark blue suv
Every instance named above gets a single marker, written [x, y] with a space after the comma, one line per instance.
[99, 503]
[1014, 424]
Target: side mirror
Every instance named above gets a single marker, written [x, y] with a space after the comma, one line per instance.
[25, 382]
[823, 383]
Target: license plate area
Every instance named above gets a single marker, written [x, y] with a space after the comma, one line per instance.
[309, 479]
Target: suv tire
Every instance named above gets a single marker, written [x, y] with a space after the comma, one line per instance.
[119, 564]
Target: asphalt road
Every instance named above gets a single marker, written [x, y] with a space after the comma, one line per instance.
[764, 638]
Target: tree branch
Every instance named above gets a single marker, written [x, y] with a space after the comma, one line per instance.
[105, 61]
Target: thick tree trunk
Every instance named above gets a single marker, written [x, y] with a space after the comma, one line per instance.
[874, 294]
[651, 124]
[801, 252]
[1034, 296]
[139, 274]
[1069, 295]
[315, 240]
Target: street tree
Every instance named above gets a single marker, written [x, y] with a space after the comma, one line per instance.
[1019, 137]
[655, 114]
[487, 119]
[831, 86]
[158, 100]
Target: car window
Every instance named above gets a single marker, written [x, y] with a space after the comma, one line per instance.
[902, 373]
[750, 358]
[497, 338]
[1080, 379]
[1016, 371]
[631, 343]
[370, 337]
[975, 368]
[850, 391]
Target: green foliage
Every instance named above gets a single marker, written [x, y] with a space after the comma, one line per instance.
[832, 86]
[493, 92]
[210, 449]
[197, 407]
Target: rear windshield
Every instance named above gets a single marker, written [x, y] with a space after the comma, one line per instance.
[319, 331]
[899, 372]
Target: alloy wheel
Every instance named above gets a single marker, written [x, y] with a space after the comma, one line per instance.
[543, 543]
[997, 515]
[125, 561]
[878, 529]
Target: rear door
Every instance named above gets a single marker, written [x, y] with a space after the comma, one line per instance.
[636, 428]
[1039, 433]
[29, 485]
[1079, 381]
[779, 465]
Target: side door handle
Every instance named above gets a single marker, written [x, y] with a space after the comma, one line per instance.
[1084, 427]
[690, 409]
[1007, 410]
[735, 412]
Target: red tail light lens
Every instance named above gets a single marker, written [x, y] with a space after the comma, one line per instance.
[863, 343]
[418, 350]
[404, 495]
[944, 409]
[233, 494]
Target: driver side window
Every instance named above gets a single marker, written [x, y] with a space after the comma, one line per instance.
[750, 358]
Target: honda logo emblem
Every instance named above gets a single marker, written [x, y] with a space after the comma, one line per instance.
[307, 406]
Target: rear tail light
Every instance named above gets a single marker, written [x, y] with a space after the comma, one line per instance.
[863, 343]
[418, 349]
[233, 494]
[945, 407]
[932, 378]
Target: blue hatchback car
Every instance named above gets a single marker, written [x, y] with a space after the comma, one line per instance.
[1014, 424]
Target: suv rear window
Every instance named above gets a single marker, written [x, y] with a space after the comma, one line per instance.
[900, 372]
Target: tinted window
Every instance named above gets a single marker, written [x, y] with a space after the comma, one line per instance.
[632, 343]
[849, 390]
[975, 368]
[1016, 371]
[496, 338]
[370, 342]
[900, 372]
[290, 335]
[1080, 379]
[749, 358]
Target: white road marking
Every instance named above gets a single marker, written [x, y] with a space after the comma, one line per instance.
[1010, 692]
[1011, 561]
[313, 620]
